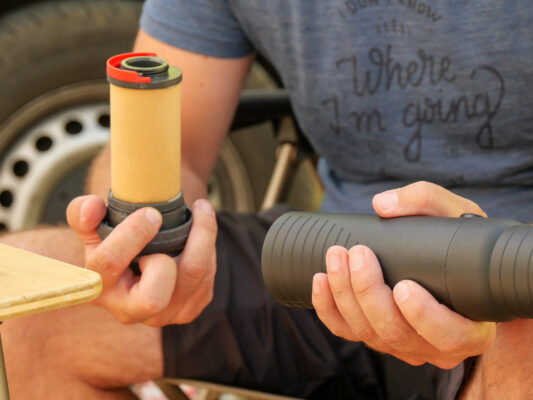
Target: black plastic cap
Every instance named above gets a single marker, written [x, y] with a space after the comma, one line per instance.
[171, 239]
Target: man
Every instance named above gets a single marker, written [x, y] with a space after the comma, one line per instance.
[374, 85]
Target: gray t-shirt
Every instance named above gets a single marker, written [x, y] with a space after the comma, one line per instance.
[389, 91]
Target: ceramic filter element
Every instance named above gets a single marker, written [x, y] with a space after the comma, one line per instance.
[145, 128]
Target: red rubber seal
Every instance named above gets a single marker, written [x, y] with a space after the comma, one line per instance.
[115, 72]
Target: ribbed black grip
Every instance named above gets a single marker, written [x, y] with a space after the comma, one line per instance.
[479, 267]
[511, 271]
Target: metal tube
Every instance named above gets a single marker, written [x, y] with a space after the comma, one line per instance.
[286, 154]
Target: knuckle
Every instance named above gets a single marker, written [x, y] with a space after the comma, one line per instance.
[349, 337]
[394, 336]
[123, 318]
[408, 358]
[141, 232]
[365, 334]
[338, 332]
[339, 289]
[208, 298]
[194, 270]
[451, 343]
[152, 305]
[95, 262]
[186, 319]
[109, 261]
[415, 362]
[187, 316]
[423, 186]
[104, 260]
[155, 323]
[423, 191]
[363, 287]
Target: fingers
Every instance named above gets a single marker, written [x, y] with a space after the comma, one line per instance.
[448, 331]
[113, 255]
[354, 302]
[167, 291]
[195, 262]
[343, 295]
[196, 268]
[326, 308]
[84, 213]
[378, 305]
[151, 295]
[337, 306]
[198, 299]
[423, 198]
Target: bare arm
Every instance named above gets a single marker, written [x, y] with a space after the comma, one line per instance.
[210, 93]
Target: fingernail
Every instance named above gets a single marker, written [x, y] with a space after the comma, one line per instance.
[401, 292]
[83, 212]
[387, 200]
[206, 207]
[153, 216]
[357, 259]
[316, 286]
[334, 261]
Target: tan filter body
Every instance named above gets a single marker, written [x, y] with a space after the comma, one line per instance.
[145, 144]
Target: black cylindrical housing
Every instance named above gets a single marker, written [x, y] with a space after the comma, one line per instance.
[175, 227]
[479, 267]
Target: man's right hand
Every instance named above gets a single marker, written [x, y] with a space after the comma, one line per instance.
[169, 291]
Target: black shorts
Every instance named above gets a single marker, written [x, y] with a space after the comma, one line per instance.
[244, 338]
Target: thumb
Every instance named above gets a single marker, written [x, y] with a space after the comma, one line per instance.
[423, 198]
[84, 214]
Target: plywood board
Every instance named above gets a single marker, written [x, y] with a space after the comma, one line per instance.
[31, 283]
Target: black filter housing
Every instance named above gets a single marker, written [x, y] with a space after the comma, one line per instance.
[479, 267]
[172, 236]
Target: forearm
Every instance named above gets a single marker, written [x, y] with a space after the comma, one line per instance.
[193, 186]
[504, 370]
